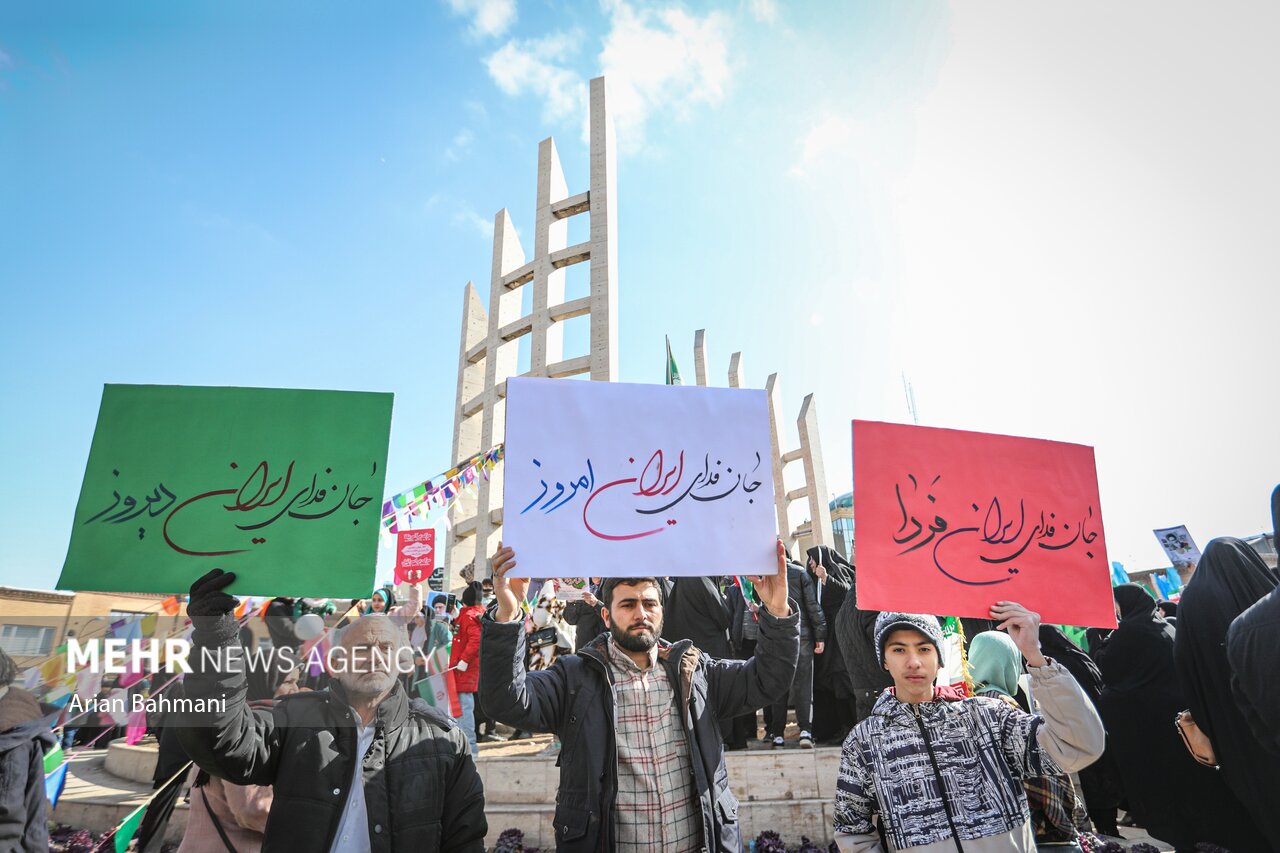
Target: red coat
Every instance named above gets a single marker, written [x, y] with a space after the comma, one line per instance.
[466, 647]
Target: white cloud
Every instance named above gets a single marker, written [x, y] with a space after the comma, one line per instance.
[536, 67]
[764, 11]
[832, 133]
[468, 218]
[658, 60]
[460, 145]
[488, 17]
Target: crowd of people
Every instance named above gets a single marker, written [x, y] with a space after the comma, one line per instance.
[1050, 743]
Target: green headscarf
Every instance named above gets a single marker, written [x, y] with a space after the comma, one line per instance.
[995, 664]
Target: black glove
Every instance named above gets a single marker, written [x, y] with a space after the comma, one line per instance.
[210, 610]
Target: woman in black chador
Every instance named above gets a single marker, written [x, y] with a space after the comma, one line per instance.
[833, 699]
[1229, 579]
[1169, 794]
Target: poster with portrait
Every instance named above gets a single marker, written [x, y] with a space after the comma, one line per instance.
[1179, 547]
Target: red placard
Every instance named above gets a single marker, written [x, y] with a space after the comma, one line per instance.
[950, 522]
[415, 555]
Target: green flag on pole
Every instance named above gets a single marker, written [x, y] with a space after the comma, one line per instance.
[673, 372]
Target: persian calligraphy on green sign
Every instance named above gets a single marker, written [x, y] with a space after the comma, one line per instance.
[281, 486]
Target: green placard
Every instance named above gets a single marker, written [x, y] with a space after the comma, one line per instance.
[283, 487]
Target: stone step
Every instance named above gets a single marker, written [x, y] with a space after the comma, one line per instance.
[97, 800]
[754, 775]
[790, 818]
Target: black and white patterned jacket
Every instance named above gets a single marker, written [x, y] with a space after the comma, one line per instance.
[979, 748]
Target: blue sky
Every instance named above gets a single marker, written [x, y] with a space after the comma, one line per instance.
[1057, 222]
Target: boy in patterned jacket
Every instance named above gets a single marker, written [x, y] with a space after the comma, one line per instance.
[940, 775]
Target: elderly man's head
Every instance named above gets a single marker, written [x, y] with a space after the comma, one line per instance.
[374, 652]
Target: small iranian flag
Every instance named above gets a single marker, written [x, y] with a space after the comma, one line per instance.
[441, 692]
[439, 688]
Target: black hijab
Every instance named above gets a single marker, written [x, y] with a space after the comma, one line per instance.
[1229, 579]
[839, 570]
[1057, 645]
[1138, 608]
[1139, 653]
[1255, 659]
[832, 673]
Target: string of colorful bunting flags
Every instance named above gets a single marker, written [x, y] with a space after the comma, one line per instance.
[440, 491]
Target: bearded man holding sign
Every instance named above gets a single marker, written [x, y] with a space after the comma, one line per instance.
[642, 757]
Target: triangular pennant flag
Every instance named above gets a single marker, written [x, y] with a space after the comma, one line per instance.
[53, 758]
[136, 729]
[58, 698]
[54, 782]
[171, 605]
[51, 669]
[125, 831]
[149, 624]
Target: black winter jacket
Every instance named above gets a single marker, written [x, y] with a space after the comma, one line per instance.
[696, 610]
[856, 640]
[737, 607]
[813, 622]
[587, 621]
[421, 788]
[574, 699]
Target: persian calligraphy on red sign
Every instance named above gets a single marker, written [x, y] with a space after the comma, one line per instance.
[950, 522]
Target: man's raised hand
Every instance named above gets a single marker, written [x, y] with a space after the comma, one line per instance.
[508, 592]
[772, 589]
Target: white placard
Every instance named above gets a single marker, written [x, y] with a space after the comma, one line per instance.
[619, 480]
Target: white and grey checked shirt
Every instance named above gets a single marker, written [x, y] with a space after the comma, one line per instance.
[657, 806]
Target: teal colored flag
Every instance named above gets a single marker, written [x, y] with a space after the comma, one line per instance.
[1118, 574]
